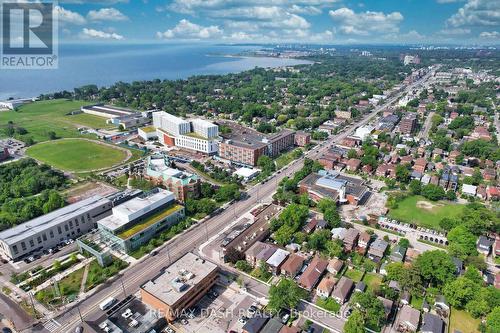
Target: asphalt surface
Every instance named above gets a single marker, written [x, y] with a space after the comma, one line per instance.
[190, 240]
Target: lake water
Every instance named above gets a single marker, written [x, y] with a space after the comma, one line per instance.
[104, 64]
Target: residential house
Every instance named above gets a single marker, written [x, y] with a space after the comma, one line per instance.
[273, 325]
[351, 239]
[313, 272]
[353, 164]
[405, 297]
[483, 245]
[255, 324]
[254, 250]
[408, 319]
[276, 260]
[363, 241]
[292, 266]
[377, 249]
[265, 254]
[326, 286]
[420, 165]
[469, 189]
[334, 266]
[310, 226]
[339, 233]
[441, 305]
[343, 289]
[398, 254]
[411, 254]
[387, 303]
[432, 324]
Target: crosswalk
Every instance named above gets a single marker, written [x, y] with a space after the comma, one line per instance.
[51, 325]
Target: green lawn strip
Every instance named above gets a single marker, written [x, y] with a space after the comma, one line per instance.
[148, 222]
[42, 117]
[372, 281]
[416, 302]
[463, 322]
[407, 211]
[98, 274]
[328, 304]
[354, 274]
[68, 286]
[89, 120]
[77, 154]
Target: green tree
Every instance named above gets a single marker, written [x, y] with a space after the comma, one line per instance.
[285, 295]
[371, 308]
[355, 323]
[460, 291]
[435, 267]
[462, 243]
[415, 186]
[493, 321]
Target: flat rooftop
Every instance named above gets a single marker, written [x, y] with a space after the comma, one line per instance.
[39, 224]
[136, 207]
[189, 271]
[242, 136]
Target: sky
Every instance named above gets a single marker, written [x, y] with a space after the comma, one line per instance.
[282, 21]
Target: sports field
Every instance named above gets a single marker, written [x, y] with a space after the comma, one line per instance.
[77, 155]
[416, 209]
[42, 117]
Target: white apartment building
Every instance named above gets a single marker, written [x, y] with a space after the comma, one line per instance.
[197, 134]
[171, 124]
[205, 128]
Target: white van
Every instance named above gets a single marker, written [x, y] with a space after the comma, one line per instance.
[107, 303]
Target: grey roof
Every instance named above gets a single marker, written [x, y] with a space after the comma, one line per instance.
[432, 323]
[272, 326]
[379, 244]
[255, 324]
[484, 241]
[361, 286]
[41, 223]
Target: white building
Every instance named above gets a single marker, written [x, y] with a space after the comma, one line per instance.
[172, 124]
[14, 103]
[364, 132]
[197, 134]
[469, 189]
[50, 229]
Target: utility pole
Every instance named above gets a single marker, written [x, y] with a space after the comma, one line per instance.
[123, 287]
[81, 317]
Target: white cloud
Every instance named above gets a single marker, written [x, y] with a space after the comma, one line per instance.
[106, 14]
[454, 32]
[307, 10]
[187, 30]
[366, 23]
[477, 13]
[490, 34]
[98, 34]
[67, 16]
[96, 2]
[449, 1]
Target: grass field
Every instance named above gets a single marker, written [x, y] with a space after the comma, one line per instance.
[354, 275]
[42, 117]
[373, 281]
[416, 209]
[69, 286]
[77, 154]
[463, 322]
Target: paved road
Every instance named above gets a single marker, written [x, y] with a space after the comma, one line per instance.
[427, 126]
[146, 269]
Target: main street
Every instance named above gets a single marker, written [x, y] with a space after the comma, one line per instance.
[140, 272]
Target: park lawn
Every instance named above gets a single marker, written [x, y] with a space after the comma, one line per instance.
[77, 155]
[463, 322]
[372, 281]
[89, 120]
[354, 274]
[98, 274]
[40, 118]
[408, 211]
[69, 286]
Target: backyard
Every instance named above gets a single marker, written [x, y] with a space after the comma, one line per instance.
[461, 321]
[354, 274]
[77, 155]
[372, 281]
[418, 210]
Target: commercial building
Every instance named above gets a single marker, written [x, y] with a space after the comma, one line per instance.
[48, 230]
[408, 124]
[179, 286]
[196, 134]
[302, 139]
[333, 185]
[132, 224]
[181, 183]
[147, 133]
[244, 146]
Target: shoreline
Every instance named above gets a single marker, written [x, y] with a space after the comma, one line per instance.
[200, 72]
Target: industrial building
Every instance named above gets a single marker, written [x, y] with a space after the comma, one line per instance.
[106, 111]
[179, 286]
[48, 230]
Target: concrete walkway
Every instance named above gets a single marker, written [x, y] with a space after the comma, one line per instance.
[84, 278]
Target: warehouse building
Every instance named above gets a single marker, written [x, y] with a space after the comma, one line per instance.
[48, 230]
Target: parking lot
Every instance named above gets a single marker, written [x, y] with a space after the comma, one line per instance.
[218, 314]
